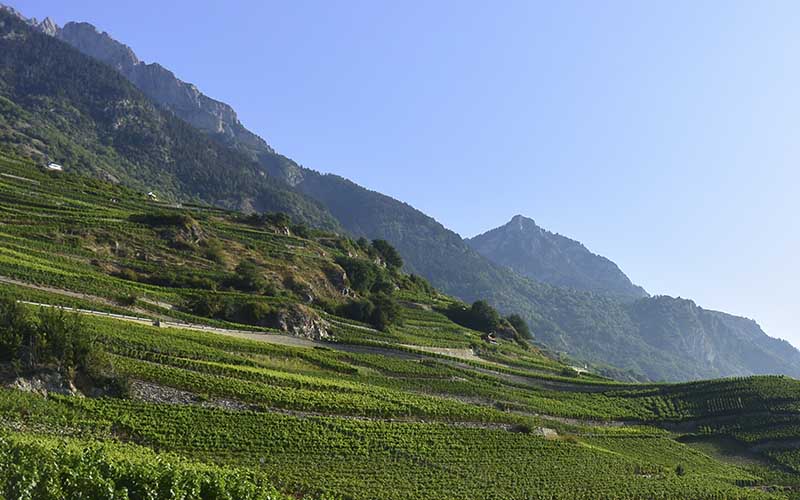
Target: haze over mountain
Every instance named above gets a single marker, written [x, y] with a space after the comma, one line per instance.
[658, 338]
[544, 256]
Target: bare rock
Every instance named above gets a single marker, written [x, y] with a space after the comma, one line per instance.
[44, 383]
[302, 321]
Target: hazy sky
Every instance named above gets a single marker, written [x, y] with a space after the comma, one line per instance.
[664, 135]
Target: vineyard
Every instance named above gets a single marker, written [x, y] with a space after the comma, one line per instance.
[253, 371]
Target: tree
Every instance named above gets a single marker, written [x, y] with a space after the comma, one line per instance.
[388, 253]
[362, 274]
[483, 316]
[520, 326]
[61, 339]
[359, 310]
[279, 220]
[15, 325]
[386, 312]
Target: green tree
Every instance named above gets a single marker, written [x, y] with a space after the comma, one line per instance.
[361, 273]
[520, 326]
[15, 325]
[483, 316]
[388, 253]
[61, 339]
[386, 311]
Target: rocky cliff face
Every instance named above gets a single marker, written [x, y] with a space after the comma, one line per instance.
[161, 85]
[544, 256]
[711, 343]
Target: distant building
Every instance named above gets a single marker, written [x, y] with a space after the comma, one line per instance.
[152, 196]
[54, 167]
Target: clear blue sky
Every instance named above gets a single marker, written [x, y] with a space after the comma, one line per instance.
[664, 135]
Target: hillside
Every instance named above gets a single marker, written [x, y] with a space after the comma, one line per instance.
[231, 367]
[661, 337]
[62, 106]
[551, 258]
[586, 320]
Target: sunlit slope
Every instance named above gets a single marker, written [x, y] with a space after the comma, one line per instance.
[245, 378]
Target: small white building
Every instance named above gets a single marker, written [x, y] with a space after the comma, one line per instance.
[54, 167]
[151, 195]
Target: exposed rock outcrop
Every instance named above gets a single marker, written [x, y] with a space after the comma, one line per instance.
[159, 84]
[44, 383]
[302, 321]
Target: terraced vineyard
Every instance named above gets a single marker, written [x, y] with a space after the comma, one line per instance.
[250, 376]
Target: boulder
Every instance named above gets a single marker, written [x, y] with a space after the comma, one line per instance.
[302, 321]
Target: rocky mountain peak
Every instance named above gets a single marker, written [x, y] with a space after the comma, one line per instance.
[158, 83]
[549, 257]
[86, 38]
[48, 27]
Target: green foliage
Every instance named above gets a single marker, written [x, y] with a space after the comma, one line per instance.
[380, 310]
[54, 338]
[386, 311]
[421, 409]
[15, 325]
[388, 254]
[480, 316]
[249, 277]
[163, 219]
[39, 468]
[520, 326]
[361, 273]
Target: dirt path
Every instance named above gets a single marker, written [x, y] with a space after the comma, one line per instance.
[57, 291]
[157, 393]
[465, 353]
[18, 178]
[457, 355]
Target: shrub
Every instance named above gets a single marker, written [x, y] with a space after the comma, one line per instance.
[248, 277]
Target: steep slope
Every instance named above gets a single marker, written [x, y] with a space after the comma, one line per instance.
[544, 256]
[591, 326]
[722, 344]
[60, 105]
[192, 364]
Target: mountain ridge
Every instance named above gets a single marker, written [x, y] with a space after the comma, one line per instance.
[537, 253]
[587, 325]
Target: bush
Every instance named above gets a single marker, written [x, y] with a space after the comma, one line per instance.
[248, 277]
[163, 219]
[53, 338]
[214, 251]
[380, 311]
[358, 310]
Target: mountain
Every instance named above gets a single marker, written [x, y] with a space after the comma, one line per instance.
[544, 256]
[594, 327]
[710, 343]
[60, 105]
